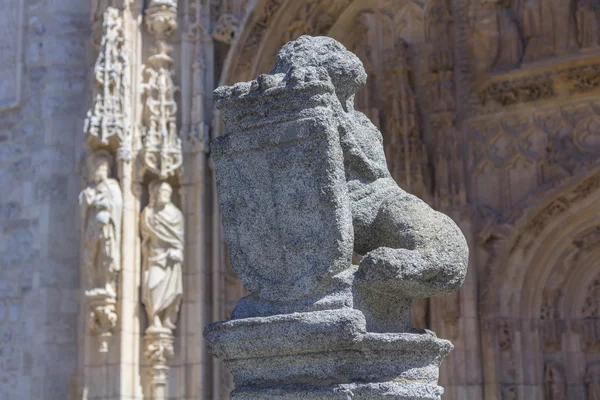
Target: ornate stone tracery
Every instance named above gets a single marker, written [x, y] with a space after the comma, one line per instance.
[107, 118]
[161, 222]
[161, 144]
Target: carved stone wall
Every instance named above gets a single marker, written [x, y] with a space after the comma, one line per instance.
[42, 108]
[490, 112]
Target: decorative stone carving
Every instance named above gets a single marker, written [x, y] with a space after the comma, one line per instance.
[523, 90]
[551, 327]
[295, 206]
[590, 326]
[255, 36]
[407, 155]
[161, 151]
[158, 350]
[226, 29]
[583, 78]
[161, 18]
[538, 30]
[496, 41]
[592, 381]
[586, 15]
[107, 118]
[505, 335]
[548, 28]
[554, 382]
[101, 213]
[162, 230]
[199, 134]
[508, 392]
[510, 47]
[438, 21]
[103, 316]
[102, 208]
[162, 251]
[591, 306]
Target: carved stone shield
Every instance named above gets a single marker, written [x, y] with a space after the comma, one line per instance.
[282, 187]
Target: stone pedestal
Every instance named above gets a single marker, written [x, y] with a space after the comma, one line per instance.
[302, 181]
[326, 355]
[102, 315]
[158, 345]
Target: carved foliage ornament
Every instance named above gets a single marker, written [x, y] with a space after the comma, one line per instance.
[162, 152]
[161, 18]
[524, 90]
[250, 47]
[107, 116]
[226, 28]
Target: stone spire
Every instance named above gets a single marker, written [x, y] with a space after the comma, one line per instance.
[303, 182]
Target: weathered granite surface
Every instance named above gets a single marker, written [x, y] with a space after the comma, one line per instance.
[302, 181]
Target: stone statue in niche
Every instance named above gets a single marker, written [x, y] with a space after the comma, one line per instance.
[592, 381]
[586, 16]
[554, 382]
[438, 21]
[497, 42]
[102, 209]
[510, 46]
[548, 28]
[162, 254]
[537, 28]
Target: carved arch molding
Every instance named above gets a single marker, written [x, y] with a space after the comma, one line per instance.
[540, 294]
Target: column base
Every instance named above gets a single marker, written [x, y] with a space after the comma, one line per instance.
[387, 390]
[326, 355]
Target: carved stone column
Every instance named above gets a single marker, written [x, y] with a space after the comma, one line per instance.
[109, 210]
[195, 105]
[161, 221]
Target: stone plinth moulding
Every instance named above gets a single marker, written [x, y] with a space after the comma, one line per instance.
[302, 183]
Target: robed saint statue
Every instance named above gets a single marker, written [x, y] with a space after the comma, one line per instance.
[162, 252]
[101, 212]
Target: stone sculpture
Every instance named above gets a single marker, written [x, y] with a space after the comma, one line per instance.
[162, 251]
[102, 208]
[101, 213]
[302, 181]
[586, 15]
[554, 382]
[592, 381]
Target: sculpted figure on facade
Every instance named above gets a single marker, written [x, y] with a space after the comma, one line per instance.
[548, 28]
[537, 28]
[162, 252]
[586, 16]
[592, 381]
[438, 21]
[554, 382]
[497, 42]
[510, 49]
[102, 207]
